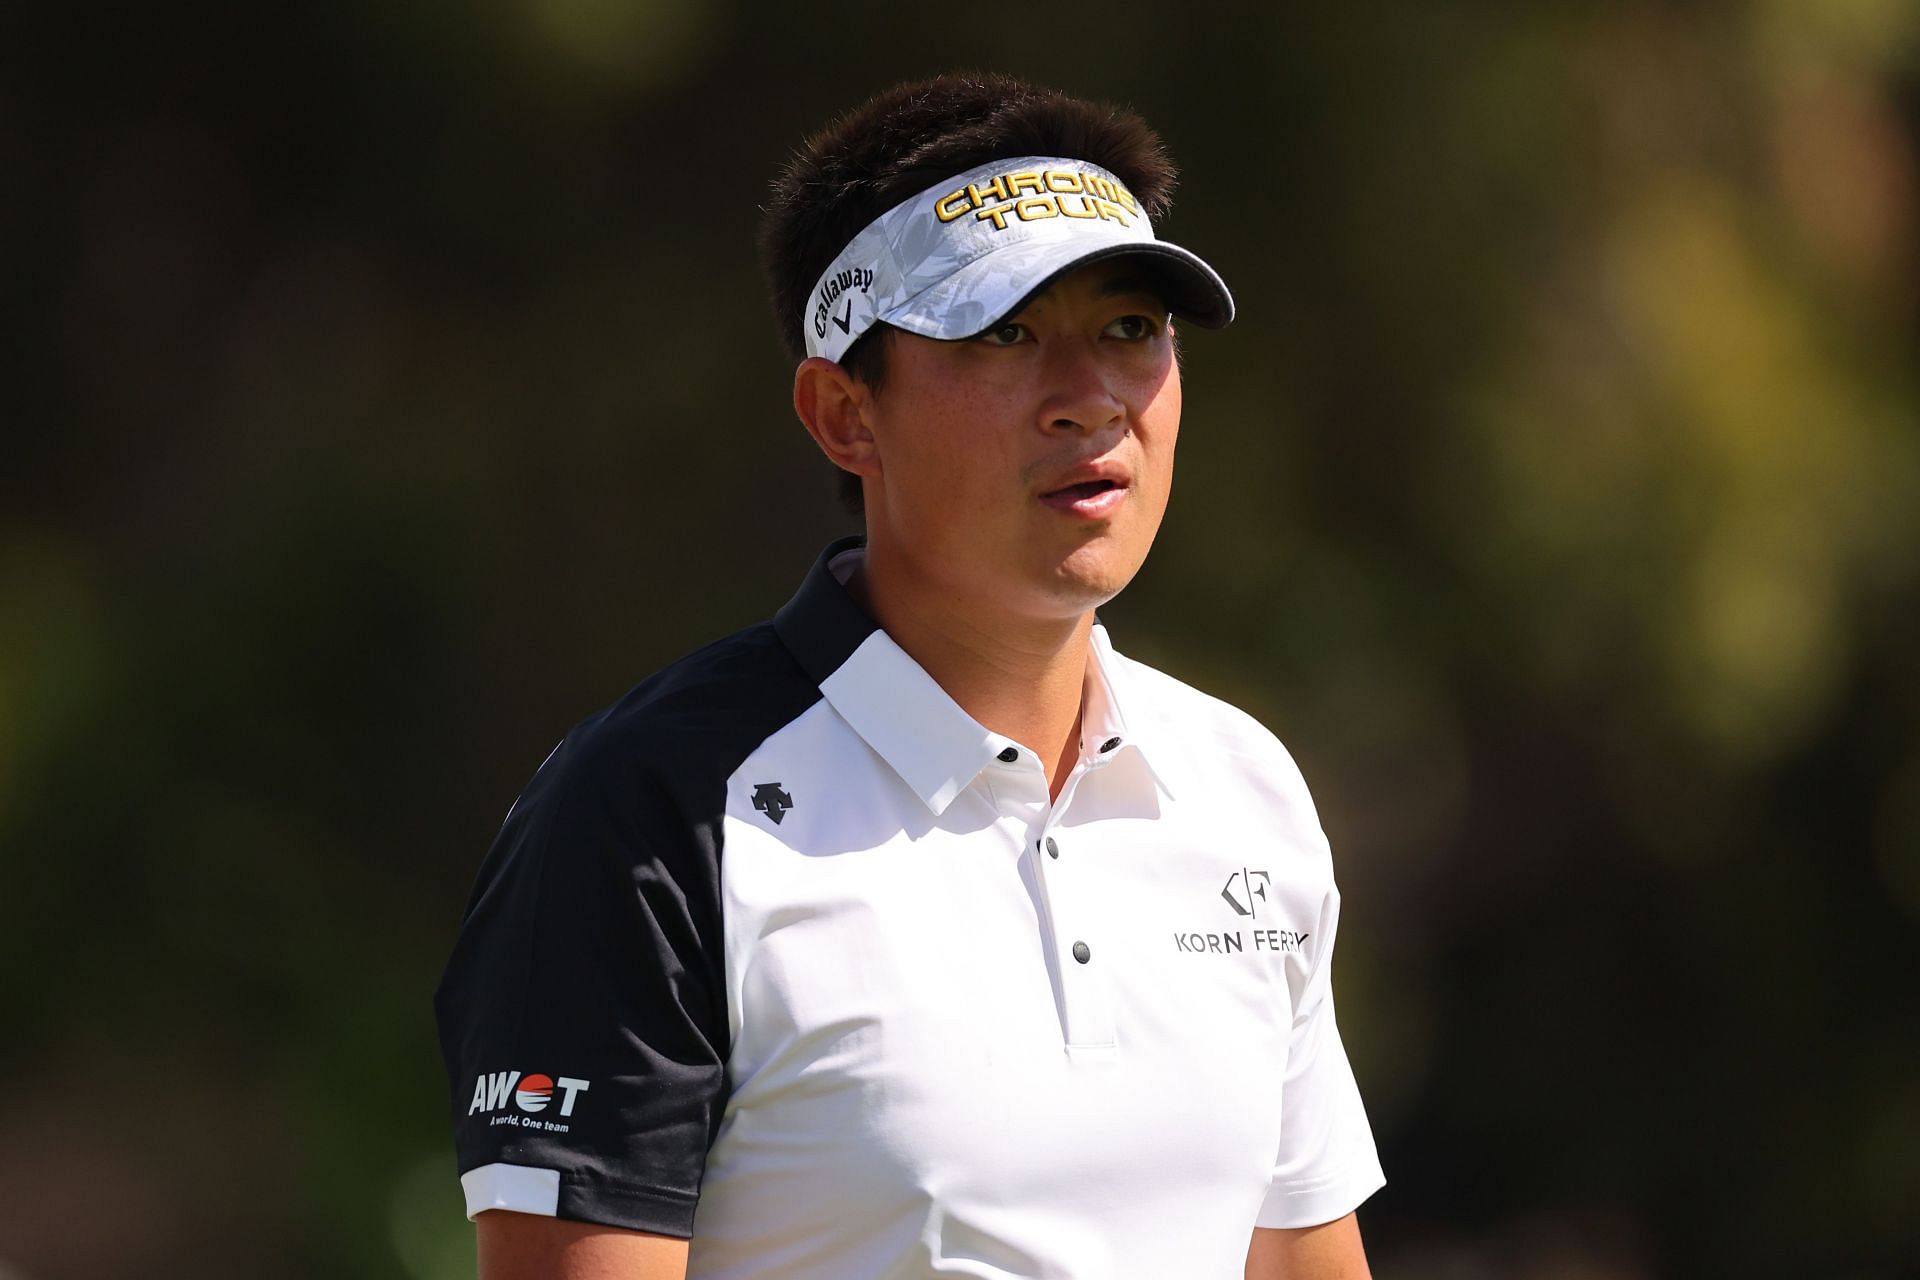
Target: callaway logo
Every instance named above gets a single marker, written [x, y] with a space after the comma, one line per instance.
[769, 799]
[831, 288]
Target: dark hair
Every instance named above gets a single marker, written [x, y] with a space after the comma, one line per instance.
[903, 141]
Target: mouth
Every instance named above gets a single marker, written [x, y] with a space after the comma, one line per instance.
[1088, 500]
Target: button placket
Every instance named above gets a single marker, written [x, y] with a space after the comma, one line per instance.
[1068, 877]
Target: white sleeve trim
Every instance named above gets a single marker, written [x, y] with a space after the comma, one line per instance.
[519, 1187]
[1323, 1200]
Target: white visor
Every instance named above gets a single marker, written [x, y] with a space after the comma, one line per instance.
[958, 258]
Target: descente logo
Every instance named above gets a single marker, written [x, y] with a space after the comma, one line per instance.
[492, 1091]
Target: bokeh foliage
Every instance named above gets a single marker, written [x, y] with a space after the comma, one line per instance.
[394, 386]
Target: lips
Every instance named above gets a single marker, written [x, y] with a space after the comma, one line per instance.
[1086, 489]
[1094, 498]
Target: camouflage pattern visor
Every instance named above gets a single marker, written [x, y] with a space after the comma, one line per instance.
[960, 257]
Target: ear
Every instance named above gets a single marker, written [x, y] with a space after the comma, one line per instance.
[833, 406]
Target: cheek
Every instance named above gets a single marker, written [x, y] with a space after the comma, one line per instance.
[1159, 422]
[942, 439]
[935, 464]
[932, 450]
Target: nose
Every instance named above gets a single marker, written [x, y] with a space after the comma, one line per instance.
[1083, 396]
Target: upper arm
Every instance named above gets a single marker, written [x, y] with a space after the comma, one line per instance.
[520, 1246]
[583, 1015]
[1330, 1251]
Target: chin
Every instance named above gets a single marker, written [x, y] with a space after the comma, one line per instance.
[1091, 576]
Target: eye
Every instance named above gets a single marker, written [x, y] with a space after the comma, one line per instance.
[1134, 328]
[1004, 335]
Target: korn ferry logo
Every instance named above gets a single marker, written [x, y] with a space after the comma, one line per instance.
[530, 1094]
[1246, 891]
[1253, 884]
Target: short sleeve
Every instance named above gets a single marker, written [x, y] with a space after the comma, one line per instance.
[582, 1015]
[1327, 1163]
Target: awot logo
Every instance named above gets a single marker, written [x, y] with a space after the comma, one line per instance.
[533, 1093]
[493, 1090]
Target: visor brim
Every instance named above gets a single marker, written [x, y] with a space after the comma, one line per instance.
[997, 285]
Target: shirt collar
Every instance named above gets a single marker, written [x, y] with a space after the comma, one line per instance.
[1106, 731]
[900, 711]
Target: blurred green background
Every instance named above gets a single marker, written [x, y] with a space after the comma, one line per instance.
[394, 386]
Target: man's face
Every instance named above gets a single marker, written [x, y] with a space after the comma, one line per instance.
[1030, 467]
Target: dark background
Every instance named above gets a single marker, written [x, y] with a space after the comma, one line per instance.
[391, 384]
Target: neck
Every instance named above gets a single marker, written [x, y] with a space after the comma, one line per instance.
[1021, 677]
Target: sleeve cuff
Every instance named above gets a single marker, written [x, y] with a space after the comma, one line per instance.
[518, 1187]
[527, 1189]
[1308, 1204]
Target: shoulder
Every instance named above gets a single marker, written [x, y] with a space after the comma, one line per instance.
[706, 711]
[633, 795]
[652, 768]
[1219, 750]
[1174, 707]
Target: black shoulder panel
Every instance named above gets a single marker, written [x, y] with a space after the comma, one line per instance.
[583, 1015]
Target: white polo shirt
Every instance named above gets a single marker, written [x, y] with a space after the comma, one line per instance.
[786, 952]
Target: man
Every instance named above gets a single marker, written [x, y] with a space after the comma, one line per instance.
[917, 932]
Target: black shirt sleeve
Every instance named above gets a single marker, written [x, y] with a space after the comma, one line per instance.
[582, 1016]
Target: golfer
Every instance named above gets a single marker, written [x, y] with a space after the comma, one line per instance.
[918, 932]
